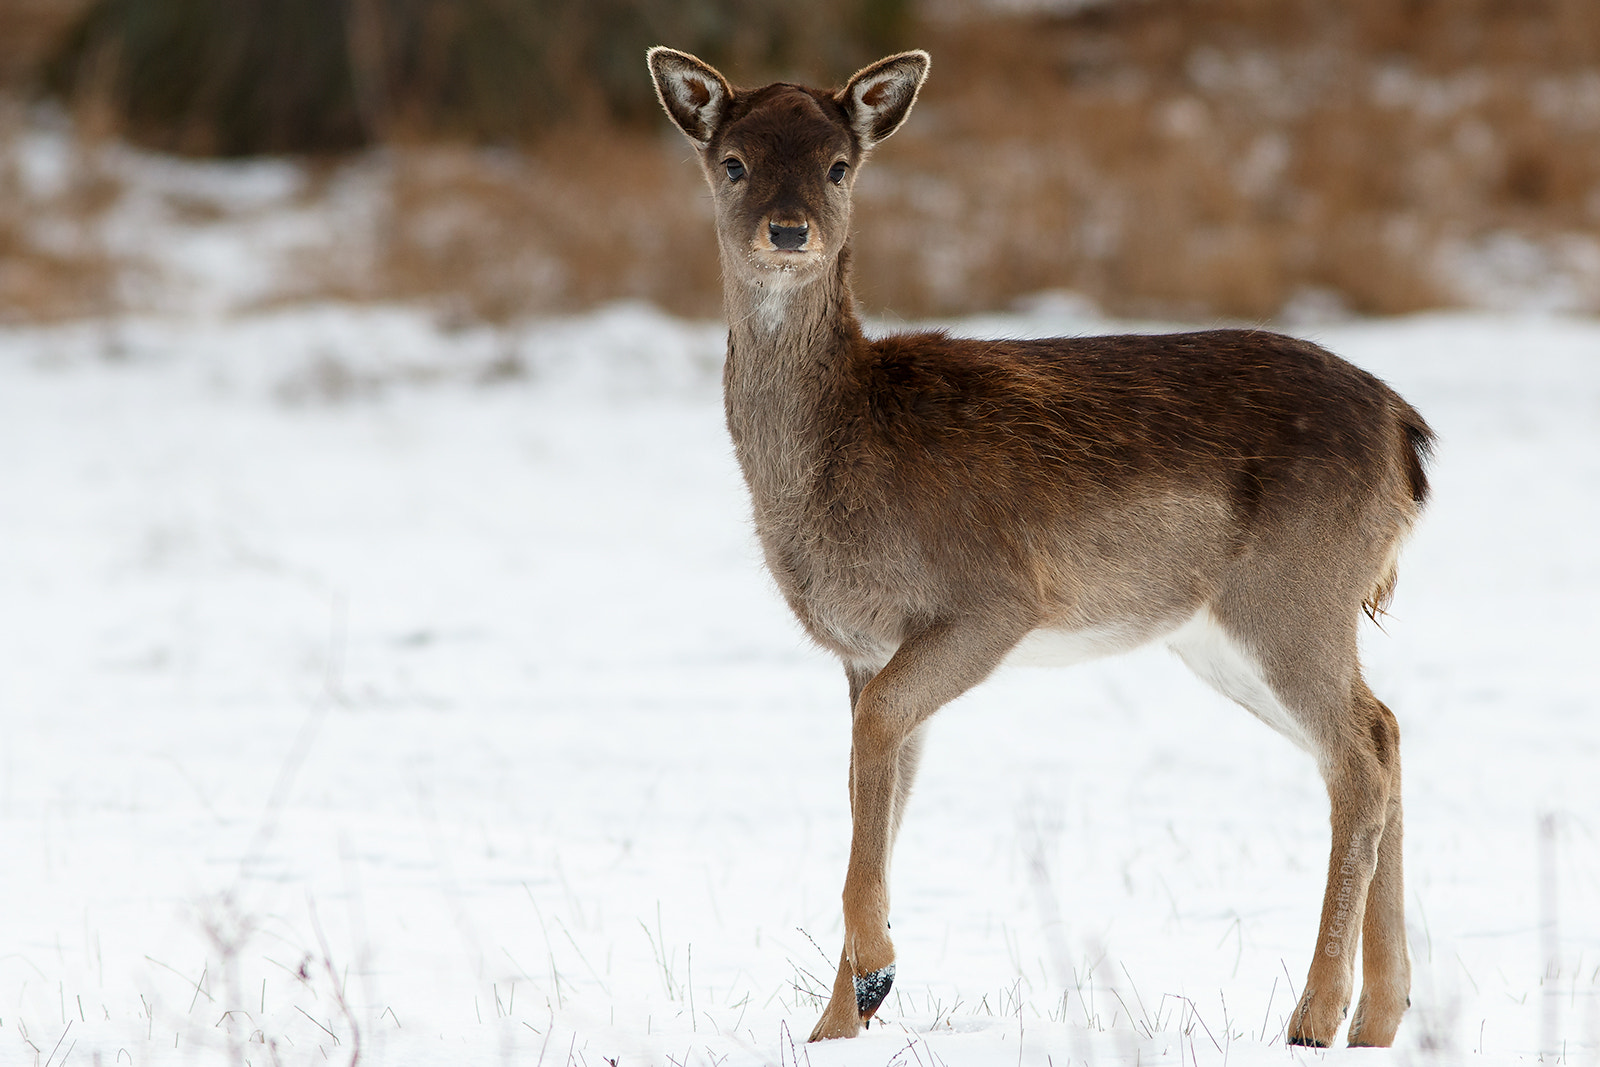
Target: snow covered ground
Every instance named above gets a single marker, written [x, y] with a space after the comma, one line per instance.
[374, 688]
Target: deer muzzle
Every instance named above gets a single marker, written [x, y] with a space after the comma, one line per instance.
[788, 238]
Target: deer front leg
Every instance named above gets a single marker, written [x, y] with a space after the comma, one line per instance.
[842, 1018]
[927, 672]
[866, 966]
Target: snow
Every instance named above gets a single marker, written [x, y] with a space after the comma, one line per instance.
[374, 684]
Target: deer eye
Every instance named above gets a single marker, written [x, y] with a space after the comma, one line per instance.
[734, 168]
[836, 172]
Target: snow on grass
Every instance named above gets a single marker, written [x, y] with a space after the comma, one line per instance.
[373, 687]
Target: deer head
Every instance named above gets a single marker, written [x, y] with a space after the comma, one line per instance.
[781, 161]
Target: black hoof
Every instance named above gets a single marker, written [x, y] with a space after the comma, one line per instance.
[871, 989]
[1307, 1042]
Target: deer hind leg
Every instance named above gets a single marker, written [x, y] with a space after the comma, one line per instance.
[929, 670]
[1385, 961]
[1358, 792]
[1311, 690]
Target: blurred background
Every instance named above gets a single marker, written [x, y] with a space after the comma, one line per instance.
[1291, 160]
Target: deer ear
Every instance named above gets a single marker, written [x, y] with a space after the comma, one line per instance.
[695, 96]
[878, 98]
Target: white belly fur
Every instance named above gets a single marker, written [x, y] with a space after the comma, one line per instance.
[1201, 642]
[1208, 650]
[1064, 648]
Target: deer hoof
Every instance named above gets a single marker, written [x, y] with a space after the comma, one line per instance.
[871, 988]
[1316, 1021]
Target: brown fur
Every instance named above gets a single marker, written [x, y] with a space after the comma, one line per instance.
[926, 503]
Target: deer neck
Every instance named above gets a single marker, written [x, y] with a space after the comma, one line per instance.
[778, 313]
[791, 341]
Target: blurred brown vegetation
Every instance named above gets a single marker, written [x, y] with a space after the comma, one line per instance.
[1225, 157]
[1196, 158]
[36, 278]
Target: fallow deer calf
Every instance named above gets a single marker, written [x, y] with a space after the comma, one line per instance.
[931, 506]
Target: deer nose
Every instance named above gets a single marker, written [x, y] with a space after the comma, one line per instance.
[788, 238]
